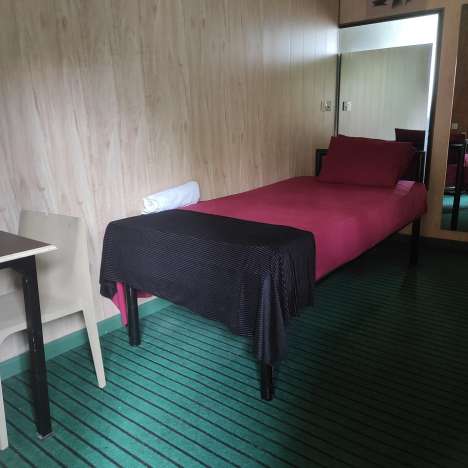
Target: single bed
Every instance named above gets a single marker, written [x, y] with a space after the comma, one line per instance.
[346, 220]
[332, 223]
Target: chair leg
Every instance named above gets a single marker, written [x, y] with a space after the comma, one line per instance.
[3, 428]
[95, 345]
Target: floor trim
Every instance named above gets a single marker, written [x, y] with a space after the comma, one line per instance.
[436, 243]
[20, 363]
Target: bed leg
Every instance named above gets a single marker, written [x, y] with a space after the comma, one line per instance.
[266, 375]
[415, 236]
[132, 314]
[458, 188]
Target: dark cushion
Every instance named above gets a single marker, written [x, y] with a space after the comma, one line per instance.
[366, 161]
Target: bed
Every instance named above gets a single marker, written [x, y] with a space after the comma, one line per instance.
[320, 227]
[346, 220]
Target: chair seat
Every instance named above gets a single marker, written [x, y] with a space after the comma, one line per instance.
[13, 317]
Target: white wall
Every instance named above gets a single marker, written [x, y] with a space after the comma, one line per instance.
[405, 32]
[388, 89]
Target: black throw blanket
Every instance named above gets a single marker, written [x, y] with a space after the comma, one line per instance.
[253, 277]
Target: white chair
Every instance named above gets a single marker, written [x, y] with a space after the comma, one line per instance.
[64, 286]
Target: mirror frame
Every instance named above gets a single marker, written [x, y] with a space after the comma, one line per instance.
[456, 147]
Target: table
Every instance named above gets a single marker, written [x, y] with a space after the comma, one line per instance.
[19, 253]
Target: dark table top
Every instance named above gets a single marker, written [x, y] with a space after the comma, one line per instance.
[13, 247]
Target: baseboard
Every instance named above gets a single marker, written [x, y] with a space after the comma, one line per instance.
[435, 243]
[20, 363]
[445, 244]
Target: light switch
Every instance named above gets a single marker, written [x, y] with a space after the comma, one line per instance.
[326, 106]
[346, 106]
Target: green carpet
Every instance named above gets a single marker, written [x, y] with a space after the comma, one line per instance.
[377, 375]
[462, 214]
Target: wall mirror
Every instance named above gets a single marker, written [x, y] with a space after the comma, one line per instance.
[386, 79]
[455, 198]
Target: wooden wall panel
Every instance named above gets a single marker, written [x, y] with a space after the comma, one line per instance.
[105, 101]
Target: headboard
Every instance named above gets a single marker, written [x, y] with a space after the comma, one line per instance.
[418, 177]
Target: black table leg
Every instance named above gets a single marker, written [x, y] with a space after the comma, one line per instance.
[132, 314]
[266, 376]
[36, 347]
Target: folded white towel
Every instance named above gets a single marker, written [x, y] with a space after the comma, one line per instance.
[175, 197]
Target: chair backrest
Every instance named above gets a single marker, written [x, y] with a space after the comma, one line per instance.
[456, 138]
[63, 273]
[417, 137]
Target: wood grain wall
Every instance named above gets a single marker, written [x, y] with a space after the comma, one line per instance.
[105, 101]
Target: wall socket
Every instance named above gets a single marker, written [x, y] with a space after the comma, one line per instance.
[326, 106]
[346, 106]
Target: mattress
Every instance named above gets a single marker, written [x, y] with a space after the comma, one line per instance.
[346, 220]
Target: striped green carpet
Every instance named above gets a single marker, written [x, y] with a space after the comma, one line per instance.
[377, 375]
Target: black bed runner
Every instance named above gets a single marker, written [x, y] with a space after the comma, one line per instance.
[250, 276]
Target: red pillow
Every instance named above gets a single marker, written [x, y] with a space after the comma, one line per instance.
[365, 161]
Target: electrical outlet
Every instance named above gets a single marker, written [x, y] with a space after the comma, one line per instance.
[346, 106]
[454, 126]
[326, 106]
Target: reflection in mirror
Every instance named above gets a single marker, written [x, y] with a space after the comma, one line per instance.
[455, 201]
[385, 89]
[386, 80]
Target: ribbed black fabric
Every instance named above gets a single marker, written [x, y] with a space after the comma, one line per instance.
[251, 276]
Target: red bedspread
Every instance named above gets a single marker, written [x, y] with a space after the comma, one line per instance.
[346, 220]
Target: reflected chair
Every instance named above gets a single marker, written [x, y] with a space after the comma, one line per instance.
[454, 160]
[418, 139]
[456, 178]
[64, 286]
